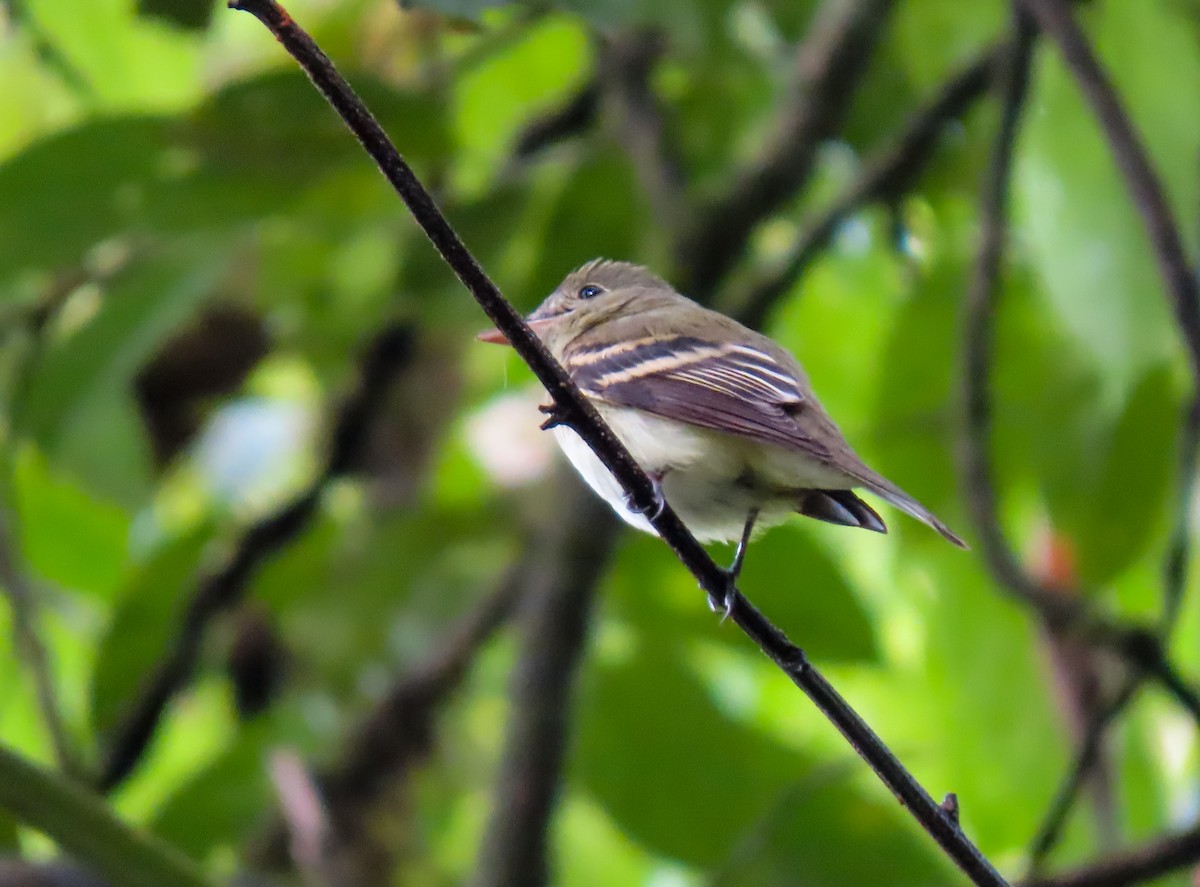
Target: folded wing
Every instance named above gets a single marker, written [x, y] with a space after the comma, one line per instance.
[725, 386]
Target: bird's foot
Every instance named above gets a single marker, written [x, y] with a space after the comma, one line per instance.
[655, 509]
[723, 603]
[554, 415]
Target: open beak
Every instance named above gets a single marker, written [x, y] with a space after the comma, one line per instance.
[498, 338]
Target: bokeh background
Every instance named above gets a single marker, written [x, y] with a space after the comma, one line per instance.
[296, 585]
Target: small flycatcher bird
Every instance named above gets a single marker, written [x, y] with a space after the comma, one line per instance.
[722, 419]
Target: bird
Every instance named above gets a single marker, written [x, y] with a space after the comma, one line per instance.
[722, 419]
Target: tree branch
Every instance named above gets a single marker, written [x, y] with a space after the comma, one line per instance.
[1142, 648]
[83, 826]
[577, 412]
[1085, 759]
[1056, 20]
[27, 641]
[830, 64]
[560, 585]
[886, 175]
[394, 738]
[225, 587]
[1153, 860]
[625, 64]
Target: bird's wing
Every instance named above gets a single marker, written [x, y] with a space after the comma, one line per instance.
[726, 386]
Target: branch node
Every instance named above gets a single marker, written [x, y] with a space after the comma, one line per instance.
[950, 805]
[555, 416]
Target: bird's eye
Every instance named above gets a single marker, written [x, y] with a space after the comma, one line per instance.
[590, 291]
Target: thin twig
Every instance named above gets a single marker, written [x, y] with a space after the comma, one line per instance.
[221, 589]
[302, 809]
[980, 310]
[1179, 547]
[1142, 648]
[830, 64]
[560, 586]
[624, 64]
[392, 740]
[27, 640]
[1057, 21]
[573, 409]
[1142, 864]
[1175, 571]
[886, 174]
[1085, 758]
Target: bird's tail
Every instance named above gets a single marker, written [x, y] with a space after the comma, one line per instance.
[892, 494]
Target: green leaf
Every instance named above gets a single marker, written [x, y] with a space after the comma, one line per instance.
[1085, 239]
[190, 14]
[787, 574]
[692, 785]
[1129, 492]
[79, 404]
[598, 213]
[235, 159]
[143, 624]
[913, 417]
[660, 757]
[84, 185]
[222, 803]
[494, 99]
[811, 828]
[85, 827]
[68, 537]
[10, 839]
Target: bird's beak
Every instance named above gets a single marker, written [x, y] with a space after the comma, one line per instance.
[493, 335]
[498, 338]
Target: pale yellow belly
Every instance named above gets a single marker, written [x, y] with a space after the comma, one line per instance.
[711, 480]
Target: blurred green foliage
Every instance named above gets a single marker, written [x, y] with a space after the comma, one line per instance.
[157, 162]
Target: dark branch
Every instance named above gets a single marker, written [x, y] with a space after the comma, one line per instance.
[625, 64]
[573, 117]
[397, 731]
[1085, 759]
[1179, 547]
[1141, 647]
[581, 416]
[1056, 20]
[886, 175]
[566, 566]
[981, 306]
[829, 66]
[382, 751]
[1146, 863]
[27, 641]
[226, 586]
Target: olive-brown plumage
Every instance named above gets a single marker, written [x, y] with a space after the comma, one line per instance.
[721, 416]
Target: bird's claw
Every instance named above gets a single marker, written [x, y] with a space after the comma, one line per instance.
[554, 415]
[724, 602]
[653, 511]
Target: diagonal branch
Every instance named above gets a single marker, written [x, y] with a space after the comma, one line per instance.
[560, 587]
[368, 781]
[830, 64]
[1143, 649]
[27, 641]
[1085, 759]
[1138, 866]
[1138, 645]
[574, 410]
[1056, 20]
[226, 586]
[625, 63]
[886, 174]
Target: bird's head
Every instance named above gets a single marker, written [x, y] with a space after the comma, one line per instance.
[591, 295]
